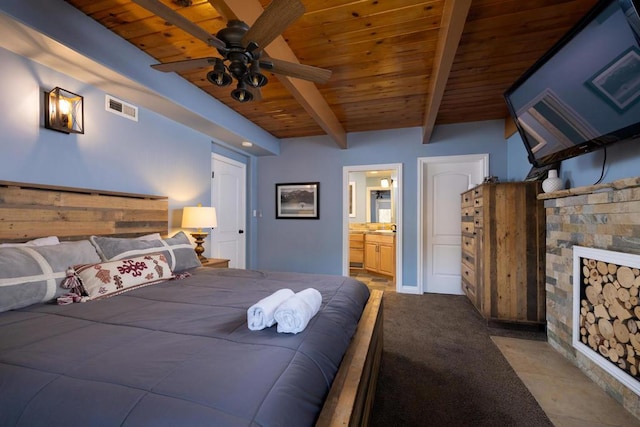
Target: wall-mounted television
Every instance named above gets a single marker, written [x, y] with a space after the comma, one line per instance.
[584, 93]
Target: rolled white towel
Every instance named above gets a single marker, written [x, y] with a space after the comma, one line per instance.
[294, 314]
[260, 314]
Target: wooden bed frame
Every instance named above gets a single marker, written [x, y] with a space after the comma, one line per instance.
[29, 211]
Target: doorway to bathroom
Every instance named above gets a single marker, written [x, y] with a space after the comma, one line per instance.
[372, 224]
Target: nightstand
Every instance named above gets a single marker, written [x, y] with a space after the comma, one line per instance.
[216, 263]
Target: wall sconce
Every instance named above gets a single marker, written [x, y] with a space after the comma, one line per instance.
[64, 111]
[199, 217]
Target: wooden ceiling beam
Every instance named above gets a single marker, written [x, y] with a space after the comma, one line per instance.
[306, 93]
[453, 20]
[509, 127]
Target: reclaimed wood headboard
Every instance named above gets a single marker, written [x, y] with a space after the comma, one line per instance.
[29, 211]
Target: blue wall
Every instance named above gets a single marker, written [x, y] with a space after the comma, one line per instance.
[316, 245]
[152, 156]
[623, 161]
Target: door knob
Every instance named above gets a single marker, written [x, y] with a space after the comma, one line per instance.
[240, 231]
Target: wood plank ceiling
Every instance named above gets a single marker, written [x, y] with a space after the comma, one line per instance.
[383, 55]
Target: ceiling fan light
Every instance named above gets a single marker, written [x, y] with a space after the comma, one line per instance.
[219, 78]
[241, 94]
[254, 77]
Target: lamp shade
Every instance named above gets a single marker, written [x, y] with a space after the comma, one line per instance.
[199, 217]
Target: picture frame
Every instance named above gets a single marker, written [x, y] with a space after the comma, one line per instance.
[618, 83]
[299, 200]
[352, 199]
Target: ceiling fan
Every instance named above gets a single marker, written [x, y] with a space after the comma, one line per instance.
[241, 48]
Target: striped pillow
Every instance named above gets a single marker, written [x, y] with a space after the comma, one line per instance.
[32, 274]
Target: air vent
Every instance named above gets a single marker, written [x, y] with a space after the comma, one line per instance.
[121, 108]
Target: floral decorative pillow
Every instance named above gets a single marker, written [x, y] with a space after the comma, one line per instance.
[112, 278]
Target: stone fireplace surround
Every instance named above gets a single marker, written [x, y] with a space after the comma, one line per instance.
[604, 216]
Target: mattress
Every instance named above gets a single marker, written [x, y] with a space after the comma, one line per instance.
[176, 353]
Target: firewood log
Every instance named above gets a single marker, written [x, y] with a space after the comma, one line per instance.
[620, 331]
[625, 276]
[610, 293]
[602, 267]
[600, 312]
[606, 328]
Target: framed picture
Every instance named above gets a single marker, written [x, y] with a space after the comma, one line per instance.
[298, 200]
[352, 199]
[618, 82]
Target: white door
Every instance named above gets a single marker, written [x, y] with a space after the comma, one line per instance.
[228, 184]
[443, 179]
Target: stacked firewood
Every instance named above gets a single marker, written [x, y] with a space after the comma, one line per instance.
[610, 312]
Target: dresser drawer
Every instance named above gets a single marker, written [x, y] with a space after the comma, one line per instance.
[468, 274]
[356, 255]
[356, 241]
[380, 238]
[469, 245]
[469, 258]
[466, 199]
[356, 237]
[468, 211]
[470, 290]
[477, 201]
[469, 281]
[467, 227]
[477, 192]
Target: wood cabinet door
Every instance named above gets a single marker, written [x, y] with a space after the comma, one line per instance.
[386, 259]
[371, 256]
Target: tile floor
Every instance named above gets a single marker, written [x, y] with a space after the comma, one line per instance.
[372, 280]
[569, 397]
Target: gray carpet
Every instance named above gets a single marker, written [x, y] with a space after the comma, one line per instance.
[440, 368]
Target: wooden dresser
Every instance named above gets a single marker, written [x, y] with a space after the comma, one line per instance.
[503, 252]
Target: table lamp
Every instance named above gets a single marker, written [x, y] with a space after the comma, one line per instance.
[199, 217]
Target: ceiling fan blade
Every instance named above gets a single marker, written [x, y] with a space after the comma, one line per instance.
[185, 65]
[273, 21]
[181, 22]
[291, 69]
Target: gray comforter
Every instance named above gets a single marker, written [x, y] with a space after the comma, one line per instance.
[175, 353]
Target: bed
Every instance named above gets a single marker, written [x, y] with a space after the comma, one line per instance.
[177, 351]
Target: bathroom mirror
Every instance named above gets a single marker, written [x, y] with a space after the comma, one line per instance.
[375, 196]
[379, 205]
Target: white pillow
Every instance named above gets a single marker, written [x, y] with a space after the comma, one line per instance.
[42, 241]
